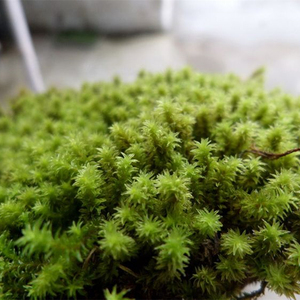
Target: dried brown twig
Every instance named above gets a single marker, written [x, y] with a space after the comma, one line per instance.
[86, 262]
[270, 155]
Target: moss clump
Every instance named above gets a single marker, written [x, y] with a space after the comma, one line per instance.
[156, 187]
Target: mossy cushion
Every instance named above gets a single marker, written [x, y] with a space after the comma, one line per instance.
[168, 187]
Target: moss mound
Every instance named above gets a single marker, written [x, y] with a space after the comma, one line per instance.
[174, 186]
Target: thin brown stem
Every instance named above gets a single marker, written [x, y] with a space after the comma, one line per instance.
[85, 264]
[270, 155]
[129, 271]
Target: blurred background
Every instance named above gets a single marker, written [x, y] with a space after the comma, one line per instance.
[93, 40]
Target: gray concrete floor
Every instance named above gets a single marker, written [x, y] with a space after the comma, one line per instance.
[210, 35]
[241, 35]
[66, 65]
[69, 65]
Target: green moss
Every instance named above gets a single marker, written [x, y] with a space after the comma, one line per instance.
[150, 190]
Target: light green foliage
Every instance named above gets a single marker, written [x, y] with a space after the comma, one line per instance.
[173, 192]
[252, 172]
[282, 280]
[150, 228]
[88, 182]
[173, 254]
[231, 269]
[36, 240]
[236, 244]
[47, 280]
[205, 279]
[115, 243]
[271, 237]
[114, 295]
[207, 223]
[149, 189]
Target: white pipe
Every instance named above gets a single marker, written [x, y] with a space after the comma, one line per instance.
[167, 14]
[20, 28]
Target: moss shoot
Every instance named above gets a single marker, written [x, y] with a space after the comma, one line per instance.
[161, 188]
